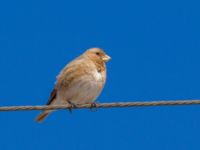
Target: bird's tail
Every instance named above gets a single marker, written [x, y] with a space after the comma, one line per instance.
[40, 118]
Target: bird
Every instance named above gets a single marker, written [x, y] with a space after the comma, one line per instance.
[80, 82]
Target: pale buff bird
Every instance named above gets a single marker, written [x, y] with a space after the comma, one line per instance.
[80, 82]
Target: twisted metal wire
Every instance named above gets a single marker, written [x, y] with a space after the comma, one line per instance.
[102, 105]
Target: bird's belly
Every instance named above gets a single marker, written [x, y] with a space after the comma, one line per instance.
[84, 90]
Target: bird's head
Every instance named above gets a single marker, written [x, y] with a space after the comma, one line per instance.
[97, 53]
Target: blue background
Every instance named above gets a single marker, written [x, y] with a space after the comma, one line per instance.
[155, 48]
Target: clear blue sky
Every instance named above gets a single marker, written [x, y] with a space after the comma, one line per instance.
[155, 50]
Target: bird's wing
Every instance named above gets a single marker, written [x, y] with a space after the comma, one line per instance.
[52, 96]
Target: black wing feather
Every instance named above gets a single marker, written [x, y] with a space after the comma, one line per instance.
[52, 97]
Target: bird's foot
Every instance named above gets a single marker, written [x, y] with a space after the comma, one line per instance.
[93, 106]
[72, 106]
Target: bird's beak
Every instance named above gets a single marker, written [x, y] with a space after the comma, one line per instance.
[106, 58]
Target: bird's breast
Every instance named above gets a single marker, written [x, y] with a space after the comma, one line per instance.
[98, 76]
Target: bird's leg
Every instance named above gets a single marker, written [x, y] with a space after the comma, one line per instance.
[93, 106]
[72, 105]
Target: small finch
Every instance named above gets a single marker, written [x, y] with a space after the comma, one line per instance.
[80, 82]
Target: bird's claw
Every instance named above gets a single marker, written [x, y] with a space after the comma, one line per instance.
[72, 106]
[93, 106]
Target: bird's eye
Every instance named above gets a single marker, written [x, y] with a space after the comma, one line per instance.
[97, 53]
